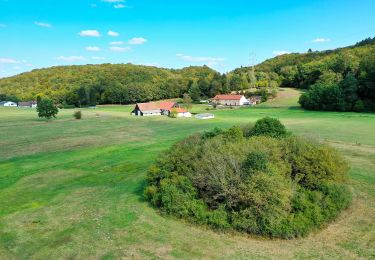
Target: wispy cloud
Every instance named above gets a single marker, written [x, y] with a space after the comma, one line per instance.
[94, 5]
[2, 25]
[9, 61]
[113, 1]
[198, 59]
[320, 40]
[41, 24]
[71, 58]
[137, 41]
[117, 43]
[113, 34]
[119, 6]
[98, 58]
[89, 33]
[152, 64]
[92, 48]
[119, 49]
[279, 53]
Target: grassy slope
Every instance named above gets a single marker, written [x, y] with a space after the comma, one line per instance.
[73, 189]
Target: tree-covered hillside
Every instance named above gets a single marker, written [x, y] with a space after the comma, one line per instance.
[341, 80]
[110, 83]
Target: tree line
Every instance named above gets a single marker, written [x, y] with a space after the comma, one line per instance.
[117, 84]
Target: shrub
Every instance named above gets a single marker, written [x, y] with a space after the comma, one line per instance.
[269, 127]
[77, 114]
[275, 187]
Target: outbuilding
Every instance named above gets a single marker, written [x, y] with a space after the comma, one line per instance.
[28, 104]
[146, 109]
[231, 100]
[7, 104]
[180, 112]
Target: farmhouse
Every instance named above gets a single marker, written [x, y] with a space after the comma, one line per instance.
[180, 112]
[231, 100]
[8, 104]
[146, 109]
[31, 104]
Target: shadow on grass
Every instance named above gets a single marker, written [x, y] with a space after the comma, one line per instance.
[139, 190]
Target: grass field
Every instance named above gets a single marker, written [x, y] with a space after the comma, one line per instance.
[73, 189]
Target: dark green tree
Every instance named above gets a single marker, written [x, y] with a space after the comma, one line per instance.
[195, 92]
[46, 108]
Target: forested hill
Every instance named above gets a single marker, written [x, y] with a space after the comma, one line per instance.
[336, 80]
[301, 70]
[109, 83]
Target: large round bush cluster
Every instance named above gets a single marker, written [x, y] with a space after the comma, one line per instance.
[256, 179]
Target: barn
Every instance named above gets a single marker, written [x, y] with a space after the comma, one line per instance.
[146, 109]
[31, 104]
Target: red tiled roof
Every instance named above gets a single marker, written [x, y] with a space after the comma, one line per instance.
[166, 105]
[178, 110]
[228, 97]
[148, 106]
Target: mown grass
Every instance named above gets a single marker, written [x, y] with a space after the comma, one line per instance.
[73, 188]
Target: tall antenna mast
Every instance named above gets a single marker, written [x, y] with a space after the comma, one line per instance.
[252, 70]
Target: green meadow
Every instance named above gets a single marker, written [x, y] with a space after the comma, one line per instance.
[73, 189]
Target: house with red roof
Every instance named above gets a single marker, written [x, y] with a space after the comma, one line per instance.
[231, 100]
[146, 109]
[163, 108]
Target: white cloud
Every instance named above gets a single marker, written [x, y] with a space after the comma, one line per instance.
[8, 61]
[137, 41]
[17, 67]
[152, 64]
[119, 6]
[71, 58]
[113, 34]
[117, 43]
[41, 24]
[113, 1]
[98, 58]
[211, 60]
[320, 40]
[92, 48]
[279, 53]
[119, 49]
[89, 33]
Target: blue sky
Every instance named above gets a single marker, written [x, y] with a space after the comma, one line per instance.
[173, 34]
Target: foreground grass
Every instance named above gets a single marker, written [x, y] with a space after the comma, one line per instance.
[73, 189]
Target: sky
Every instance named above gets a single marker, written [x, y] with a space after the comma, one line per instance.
[174, 34]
